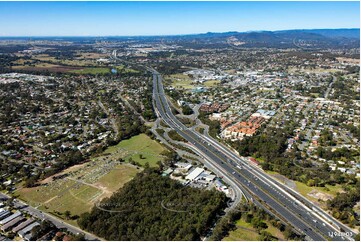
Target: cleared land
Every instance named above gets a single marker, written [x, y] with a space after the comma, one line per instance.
[123, 69]
[211, 83]
[318, 195]
[83, 63]
[79, 187]
[92, 70]
[180, 81]
[142, 145]
[244, 232]
[275, 232]
[47, 66]
[315, 71]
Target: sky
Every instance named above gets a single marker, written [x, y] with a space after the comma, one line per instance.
[168, 18]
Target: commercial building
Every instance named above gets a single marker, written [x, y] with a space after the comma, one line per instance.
[27, 229]
[22, 225]
[241, 129]
[194, 174]
[11, 217]
[12, 223]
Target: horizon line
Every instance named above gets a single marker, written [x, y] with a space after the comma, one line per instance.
[169, 35]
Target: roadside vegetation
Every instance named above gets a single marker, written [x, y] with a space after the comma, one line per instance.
[152, 207]
[175, 136]
[250, 223]
[270, 148]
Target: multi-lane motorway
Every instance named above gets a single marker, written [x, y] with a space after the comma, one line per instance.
[288, 205]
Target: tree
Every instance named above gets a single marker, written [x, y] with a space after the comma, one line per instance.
[160, 165]
[30, 182]
[79, 237]
[143, 217]
[36, 231]
[10, 202]
[67, 214]
[266, 236]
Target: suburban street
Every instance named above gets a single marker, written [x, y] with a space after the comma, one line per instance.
[286, 204]
[56, 221]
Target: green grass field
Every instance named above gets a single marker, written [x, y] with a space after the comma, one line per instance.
[244, 233]
[316, 70]
[275, 232]
[66, 194]
[123, 69]
[181, 81]
[149, 149]
[328, 190]
[302, 188]
[211, 83]
[61, 196]
[180, 84]
[88, 183]
[141, 145]
[121, 174]
[92, 70]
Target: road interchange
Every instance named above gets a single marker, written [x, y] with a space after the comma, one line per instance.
[288, 205]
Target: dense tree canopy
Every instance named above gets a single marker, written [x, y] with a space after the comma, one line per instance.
[152, 207]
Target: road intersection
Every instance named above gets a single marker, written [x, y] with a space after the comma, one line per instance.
[288, 205]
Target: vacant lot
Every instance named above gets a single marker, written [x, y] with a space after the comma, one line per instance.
[79, 187]
[180, 81]
[142, 149]
[211, 83]
[317, 195]
[123, 69]
[47, 67]
[116, 178]
[244, 232]
[92, 70]
[314, 71]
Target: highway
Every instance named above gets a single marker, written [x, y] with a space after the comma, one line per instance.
[288, 205]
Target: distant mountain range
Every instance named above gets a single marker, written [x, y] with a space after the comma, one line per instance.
[300, 38]
[331, 33]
